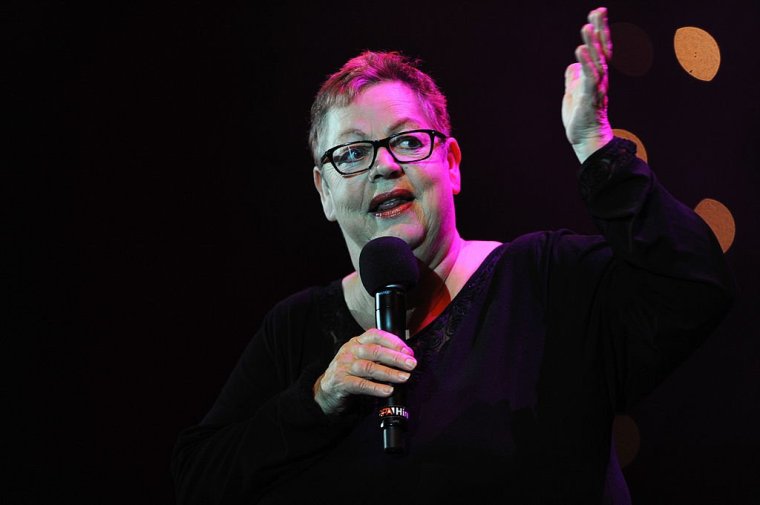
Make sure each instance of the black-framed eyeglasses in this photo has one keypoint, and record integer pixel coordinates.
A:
(405, 147)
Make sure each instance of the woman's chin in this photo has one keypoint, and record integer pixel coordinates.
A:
(411, 233)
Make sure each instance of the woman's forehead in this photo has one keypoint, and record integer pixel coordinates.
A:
(376, 112)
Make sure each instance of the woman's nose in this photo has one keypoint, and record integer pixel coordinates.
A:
(385, 165)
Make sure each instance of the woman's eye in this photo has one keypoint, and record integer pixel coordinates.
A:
(351, 154)
(409, 142)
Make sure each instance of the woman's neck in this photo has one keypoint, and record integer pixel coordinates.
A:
(438, 285)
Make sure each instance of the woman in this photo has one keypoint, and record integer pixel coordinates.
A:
(519, 354)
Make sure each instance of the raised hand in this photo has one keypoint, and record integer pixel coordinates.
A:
(584, 105)
(375, 355)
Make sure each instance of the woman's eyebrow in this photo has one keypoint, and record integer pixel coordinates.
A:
(351, 131)
(403, 122)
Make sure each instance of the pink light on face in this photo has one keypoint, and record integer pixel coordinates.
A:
(412, 201)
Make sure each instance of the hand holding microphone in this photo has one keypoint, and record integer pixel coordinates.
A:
(388, 269)
(362, 366)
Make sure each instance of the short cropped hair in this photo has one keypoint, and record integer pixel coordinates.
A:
(360, 72)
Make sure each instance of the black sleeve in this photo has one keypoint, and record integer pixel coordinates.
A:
(650, 290)
(265, 426)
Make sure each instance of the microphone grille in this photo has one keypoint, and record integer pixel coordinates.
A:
(385, 261)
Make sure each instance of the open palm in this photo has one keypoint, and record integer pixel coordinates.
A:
(584, 105)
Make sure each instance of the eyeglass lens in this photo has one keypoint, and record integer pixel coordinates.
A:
(405, 147)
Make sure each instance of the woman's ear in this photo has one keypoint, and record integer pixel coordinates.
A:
(325, 195)
(454, 158)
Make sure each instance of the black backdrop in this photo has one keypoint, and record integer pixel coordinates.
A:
(159, 200)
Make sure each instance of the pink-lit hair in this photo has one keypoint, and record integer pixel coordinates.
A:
(360, 72)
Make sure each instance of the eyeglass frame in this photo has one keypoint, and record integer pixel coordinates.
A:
(376, 145)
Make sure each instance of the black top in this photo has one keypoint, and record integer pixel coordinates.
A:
(518, 379)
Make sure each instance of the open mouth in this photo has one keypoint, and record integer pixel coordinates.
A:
(385, 202)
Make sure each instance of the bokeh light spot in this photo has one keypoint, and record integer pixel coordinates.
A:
(641, 151)
(719, 219)
(697, 52)
(627, 439)
(632, 50)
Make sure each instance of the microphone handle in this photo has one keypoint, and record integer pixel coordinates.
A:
(390, 316)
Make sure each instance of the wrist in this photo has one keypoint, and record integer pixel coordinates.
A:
(592, 144)
(317, 390)
(329, 406)
(613, 158)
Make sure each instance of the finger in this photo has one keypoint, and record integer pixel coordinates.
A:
(572, 77)
(589, 69)
(380, 354)
(598, 18)
(572, 72)
(371, 370)
(590, 38)
(385, 339)
(361, 386)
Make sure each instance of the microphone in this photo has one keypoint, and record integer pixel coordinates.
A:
(388, 269)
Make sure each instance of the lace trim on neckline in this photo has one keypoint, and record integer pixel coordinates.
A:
(338, 325)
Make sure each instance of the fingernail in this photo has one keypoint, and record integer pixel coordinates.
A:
(411, 362)
(387, 390)
(407, 350)
(403, 376)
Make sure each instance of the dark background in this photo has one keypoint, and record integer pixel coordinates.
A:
(158, 201)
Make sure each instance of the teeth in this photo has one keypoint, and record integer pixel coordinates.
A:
(389, 204)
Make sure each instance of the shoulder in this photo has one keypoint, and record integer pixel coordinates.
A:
(542, 254)
(295, 330)
(539, 262)
(302, 305)
(556, 245)
(475, 252)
